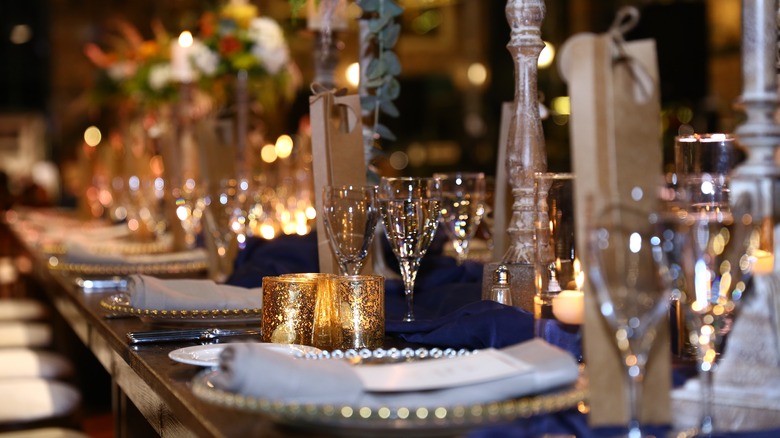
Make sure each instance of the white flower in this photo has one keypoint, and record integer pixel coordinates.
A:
(160, 75)
(121, 70)
(203, 58)
(269, 45)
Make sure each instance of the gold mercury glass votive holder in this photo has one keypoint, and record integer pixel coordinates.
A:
(361, 310)
(288, 309)
(324, 310)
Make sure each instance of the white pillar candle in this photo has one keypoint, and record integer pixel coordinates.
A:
(181, 67)
(763, 262)
(569, 306)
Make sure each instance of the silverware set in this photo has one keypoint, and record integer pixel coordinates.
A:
(117, 283)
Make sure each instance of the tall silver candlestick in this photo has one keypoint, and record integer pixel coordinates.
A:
(525, 146)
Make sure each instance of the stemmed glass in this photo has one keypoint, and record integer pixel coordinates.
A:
(350, 215)
(410, 209)
(226, 222)
(462, 208)
(629, 273)
(713, 245)
(190, 204)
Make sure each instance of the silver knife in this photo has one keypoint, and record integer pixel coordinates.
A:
(187, 335)
(101, 284)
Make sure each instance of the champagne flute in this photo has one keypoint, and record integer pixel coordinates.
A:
(410, 209)
(350, 216)
(628, 270)
(462, 208)
(714, 245)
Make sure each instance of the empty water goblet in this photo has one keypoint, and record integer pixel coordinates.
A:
(226, 223)
(350, 214)
(628, 269)
(410, 209)
(462, 208)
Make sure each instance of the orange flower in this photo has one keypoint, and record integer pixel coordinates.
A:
(207, 21)
(148, 49)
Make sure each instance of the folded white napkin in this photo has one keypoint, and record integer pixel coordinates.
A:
(147, 292)
(267, 374)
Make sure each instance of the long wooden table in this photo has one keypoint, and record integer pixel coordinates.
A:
(150, 392)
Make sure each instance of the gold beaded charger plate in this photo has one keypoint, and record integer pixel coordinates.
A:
(119, 304)
(398, 421)
(208, 355)
(156, 268)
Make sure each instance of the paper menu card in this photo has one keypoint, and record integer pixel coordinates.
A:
(337, 156)
(616, 153)
(483, 366)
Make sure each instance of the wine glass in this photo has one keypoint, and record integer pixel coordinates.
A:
(190, 203)
(350, 216)
(410, 209)
(629, 273)
(462, 208)
(226, 222)
(714, 244)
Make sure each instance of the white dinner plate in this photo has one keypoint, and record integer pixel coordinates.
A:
(208, 355)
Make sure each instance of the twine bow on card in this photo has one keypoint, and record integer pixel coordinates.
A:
(329, 94)
(627, 18)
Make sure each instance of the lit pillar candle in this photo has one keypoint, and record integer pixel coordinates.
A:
(568, 306)
(763, 262)
(180, 58)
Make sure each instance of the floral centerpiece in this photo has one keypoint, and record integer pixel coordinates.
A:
(132, 70)
(236, 40)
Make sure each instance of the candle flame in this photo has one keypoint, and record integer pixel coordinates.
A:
(579, 275)
(185, 39)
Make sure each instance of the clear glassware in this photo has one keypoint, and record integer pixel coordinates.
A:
(462, 208)
(713, 246)
(190, 204)
(410, 210)
(226, 222)
(628, 270)
(350, 214)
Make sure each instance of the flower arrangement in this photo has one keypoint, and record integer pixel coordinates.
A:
(133, 70)
(235, 39)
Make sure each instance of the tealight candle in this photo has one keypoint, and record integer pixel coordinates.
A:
(569, 306)
(763, 262)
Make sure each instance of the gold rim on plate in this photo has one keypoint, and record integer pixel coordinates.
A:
(398, 420)
(120, 304)
(127, 269)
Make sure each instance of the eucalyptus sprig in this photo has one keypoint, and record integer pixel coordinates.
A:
(296, 5)
(380, 86)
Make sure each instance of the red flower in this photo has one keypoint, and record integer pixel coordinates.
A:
(228, 45)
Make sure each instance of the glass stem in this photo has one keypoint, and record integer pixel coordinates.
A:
(635, 377)
(705, 381)
(409, 273)
(351, 267)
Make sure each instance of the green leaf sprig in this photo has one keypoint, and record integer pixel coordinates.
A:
(383, 66)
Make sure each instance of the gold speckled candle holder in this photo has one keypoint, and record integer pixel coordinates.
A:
(288, 309)
(361, 310)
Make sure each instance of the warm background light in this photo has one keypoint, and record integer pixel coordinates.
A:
(92, 136)
(353, 74)
(268, 153)
(284, 146)
(477, 74)
(547, 56)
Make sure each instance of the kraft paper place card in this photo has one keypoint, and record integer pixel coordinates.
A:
(615, 128)
(337, 156)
